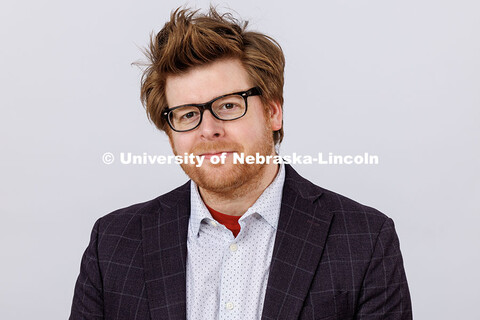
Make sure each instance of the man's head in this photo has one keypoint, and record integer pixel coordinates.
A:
(191, 39)
(196, 59)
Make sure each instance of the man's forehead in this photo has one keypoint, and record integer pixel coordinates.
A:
(206, 82)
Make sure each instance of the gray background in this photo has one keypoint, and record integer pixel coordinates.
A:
(399, 79)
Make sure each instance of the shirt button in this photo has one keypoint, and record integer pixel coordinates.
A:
(233, 247)
(229, 305)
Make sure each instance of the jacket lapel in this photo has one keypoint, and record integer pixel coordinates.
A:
(302, 231)
(164, 232)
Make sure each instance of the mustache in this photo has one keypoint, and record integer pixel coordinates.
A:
(207, 147)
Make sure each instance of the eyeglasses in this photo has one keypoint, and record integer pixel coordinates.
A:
(227, 107)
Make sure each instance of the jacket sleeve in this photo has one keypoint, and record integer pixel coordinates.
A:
(88, 296)
(384, 293)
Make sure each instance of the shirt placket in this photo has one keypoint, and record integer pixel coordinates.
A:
(230, 301)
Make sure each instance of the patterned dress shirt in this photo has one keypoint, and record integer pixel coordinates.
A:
(227, 276)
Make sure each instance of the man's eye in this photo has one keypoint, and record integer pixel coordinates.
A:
(188, 115)
(229, 106)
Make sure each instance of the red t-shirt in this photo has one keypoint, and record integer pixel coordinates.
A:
(231, 222)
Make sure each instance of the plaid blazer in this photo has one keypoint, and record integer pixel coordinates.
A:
(333, 258)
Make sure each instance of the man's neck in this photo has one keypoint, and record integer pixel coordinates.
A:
(237, 202)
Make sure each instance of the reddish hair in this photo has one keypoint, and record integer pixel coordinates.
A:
(191, 39)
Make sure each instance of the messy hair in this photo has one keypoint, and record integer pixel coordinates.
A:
(192, 39)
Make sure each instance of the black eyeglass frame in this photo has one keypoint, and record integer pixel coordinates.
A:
(255, 91)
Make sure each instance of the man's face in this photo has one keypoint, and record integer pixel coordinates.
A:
(250, 134)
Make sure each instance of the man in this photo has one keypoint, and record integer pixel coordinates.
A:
(238, 241)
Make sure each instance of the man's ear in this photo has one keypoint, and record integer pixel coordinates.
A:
(275, 115)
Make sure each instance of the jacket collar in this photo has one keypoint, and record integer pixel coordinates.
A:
(164, 241)
(299, 244)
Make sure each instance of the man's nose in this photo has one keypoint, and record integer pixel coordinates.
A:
(211, 127)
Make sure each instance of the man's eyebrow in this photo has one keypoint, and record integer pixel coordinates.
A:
(216, 97)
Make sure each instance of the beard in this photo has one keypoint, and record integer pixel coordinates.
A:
(229, 178)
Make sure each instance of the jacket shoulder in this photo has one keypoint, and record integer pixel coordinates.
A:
(121, 220)
(350, 216)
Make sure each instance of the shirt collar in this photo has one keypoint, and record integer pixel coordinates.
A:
(198, 211)
(272, 196)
